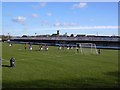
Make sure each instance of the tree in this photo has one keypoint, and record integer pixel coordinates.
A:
(72, 35)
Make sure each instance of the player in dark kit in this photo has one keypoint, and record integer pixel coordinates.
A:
(77, 49)
(99, 51)
(12, 62)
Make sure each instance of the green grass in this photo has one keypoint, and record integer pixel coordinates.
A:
(58, 69)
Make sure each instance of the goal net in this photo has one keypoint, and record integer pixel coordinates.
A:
(87, 48)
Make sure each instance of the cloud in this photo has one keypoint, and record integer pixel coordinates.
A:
(43, 4)
(58, 24)
(73, 24)
(91, 19)
(91, 27)
(79, 5)
(49, 14)
(19, 19)
(40, 5)
(35, 15)
(44, 22)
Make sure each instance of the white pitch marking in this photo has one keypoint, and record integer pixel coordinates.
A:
(19, 49)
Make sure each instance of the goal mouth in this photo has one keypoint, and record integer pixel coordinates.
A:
(87, 48)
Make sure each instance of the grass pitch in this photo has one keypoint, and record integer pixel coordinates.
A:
(58, 68)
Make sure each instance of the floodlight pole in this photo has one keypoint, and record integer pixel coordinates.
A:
(35, 34)
(8, 35)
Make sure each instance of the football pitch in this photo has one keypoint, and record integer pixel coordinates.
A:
(58, 68)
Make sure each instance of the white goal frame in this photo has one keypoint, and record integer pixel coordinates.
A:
(92, 46)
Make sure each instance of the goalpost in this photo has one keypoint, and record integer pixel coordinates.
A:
(87, 48)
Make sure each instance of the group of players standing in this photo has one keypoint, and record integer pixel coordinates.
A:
(45, 47)
(63, 47)
(77, 48)
(41, 47)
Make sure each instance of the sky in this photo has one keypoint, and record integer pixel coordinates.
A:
(90, 18)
